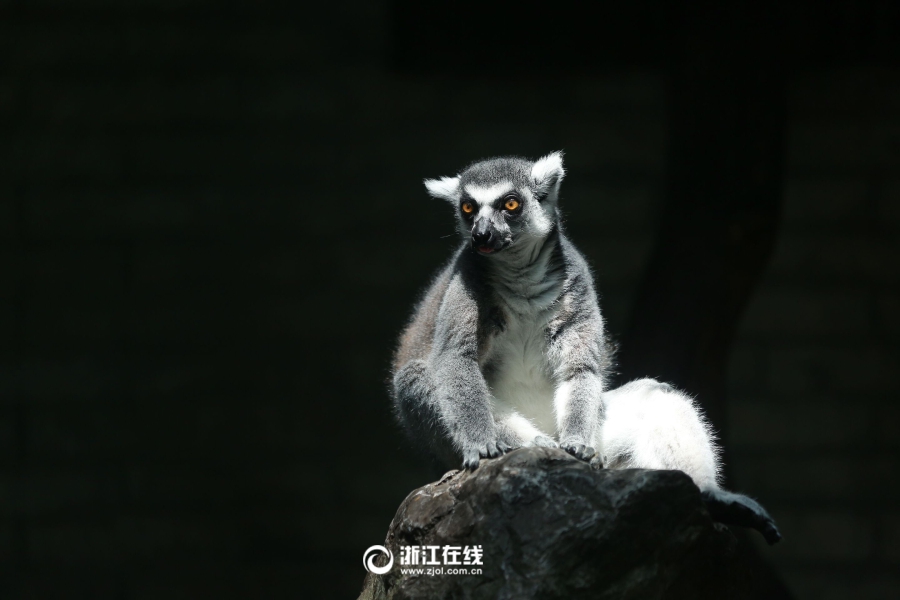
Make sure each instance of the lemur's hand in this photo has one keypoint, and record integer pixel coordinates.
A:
(580, 451)
(473, 454)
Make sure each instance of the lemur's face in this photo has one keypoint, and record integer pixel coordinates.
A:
(503, 202)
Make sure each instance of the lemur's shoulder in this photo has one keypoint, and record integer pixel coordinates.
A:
(418, 335)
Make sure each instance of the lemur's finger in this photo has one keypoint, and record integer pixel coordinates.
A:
(580, 451)
(470, 460)
(490, 450)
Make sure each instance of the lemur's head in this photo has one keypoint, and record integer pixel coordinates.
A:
(503, 201)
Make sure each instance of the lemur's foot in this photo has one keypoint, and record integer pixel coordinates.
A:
(597, 462)
(580, 451)
(473, 456)
(542, 441)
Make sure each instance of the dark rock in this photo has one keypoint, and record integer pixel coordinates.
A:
(550, 526)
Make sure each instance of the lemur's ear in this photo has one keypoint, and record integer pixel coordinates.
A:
(445, 188)
(547, 172)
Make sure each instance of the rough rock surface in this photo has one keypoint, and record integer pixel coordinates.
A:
(553, 527)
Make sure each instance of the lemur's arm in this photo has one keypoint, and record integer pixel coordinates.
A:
(462, 393)
(575, 352)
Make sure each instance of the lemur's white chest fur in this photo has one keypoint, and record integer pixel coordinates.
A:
(519, 375)
(520, 380)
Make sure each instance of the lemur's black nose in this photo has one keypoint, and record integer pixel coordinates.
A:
(481, 238)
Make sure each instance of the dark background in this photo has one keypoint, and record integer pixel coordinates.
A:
(212, 227)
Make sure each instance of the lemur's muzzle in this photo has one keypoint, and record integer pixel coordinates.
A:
(483, 238)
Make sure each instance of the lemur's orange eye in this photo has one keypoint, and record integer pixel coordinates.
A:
(511, 204)
(467, 208)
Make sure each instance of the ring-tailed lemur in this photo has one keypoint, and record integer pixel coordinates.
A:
(508, 349)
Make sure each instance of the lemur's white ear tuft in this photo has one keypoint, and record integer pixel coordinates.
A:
(548, 171)
(446, 188)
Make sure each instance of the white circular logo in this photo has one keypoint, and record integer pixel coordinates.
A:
(369, 561)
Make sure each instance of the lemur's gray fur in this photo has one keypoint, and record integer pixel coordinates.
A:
(508, 348)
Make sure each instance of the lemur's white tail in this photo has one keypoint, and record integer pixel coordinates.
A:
(651, 425)
(738, 509)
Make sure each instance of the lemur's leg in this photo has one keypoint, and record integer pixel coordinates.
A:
(576, 360)
(651, 425)
(576, 403)
(417, 410)
(437, 419)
